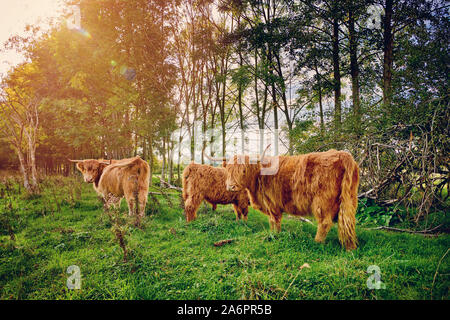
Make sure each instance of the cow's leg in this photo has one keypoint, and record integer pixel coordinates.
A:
(116, 202)
(322, 230)
(133, 209)
(131, 197)
(244, 211)
(237, 211)
(140, 213)
(324, 225)
(106, 203)
(214, 206)
(191, 206)
(110, 200)
(134, 199)
(324, 219)
(140, 195)
(142, 202)
(103, 200)
(271, 222)
(131, 201)
(275, 221)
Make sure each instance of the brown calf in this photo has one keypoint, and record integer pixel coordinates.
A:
(203, 182)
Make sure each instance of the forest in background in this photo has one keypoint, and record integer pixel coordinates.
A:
(370, 77)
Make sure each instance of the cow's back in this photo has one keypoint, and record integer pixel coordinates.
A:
(116, 178)
(300, 180)
(207, 182)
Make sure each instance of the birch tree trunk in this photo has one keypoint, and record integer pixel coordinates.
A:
(23, 170)
(150, 158)
(163, 169)
(32, 151)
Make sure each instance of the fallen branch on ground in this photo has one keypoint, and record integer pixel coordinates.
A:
(305, 220)
(222, 242)
(426, 231)
(300, 218)
(169, 186)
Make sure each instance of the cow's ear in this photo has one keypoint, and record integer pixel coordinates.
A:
(102, 165)
(80, 166)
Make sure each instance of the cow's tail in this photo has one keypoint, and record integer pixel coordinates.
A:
(142, 167)
(348, 203)
(129, 163)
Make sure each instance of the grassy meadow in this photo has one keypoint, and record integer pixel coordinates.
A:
(169, 259)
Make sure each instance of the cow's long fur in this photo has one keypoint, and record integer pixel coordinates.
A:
(127, 178)
(322, 183)
(203, 182)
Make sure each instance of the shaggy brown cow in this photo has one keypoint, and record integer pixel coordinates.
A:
(127, 178)
(203, 182)
(324, 183)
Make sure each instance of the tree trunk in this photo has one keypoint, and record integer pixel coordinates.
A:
(319, 84)
(144, 148)
(32, 152)
(222, 111)
(354, 72)
(203, 139)
(150, 158)
(170, 160)
(274, 105)
(224, 143)
(337, 76)
(24, 170)
(241, 114)
(192, 141)
(30, 134)
(261, 134)
(388, 44)
(163, 169)
(180, 139)
(240, 89)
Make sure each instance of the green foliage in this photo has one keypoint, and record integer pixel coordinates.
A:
(371, 213)
(241, 77)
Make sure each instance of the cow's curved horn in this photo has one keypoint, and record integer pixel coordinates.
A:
(75, 160)
(214, 159)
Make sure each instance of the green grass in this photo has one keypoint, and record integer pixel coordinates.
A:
(170, 259)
